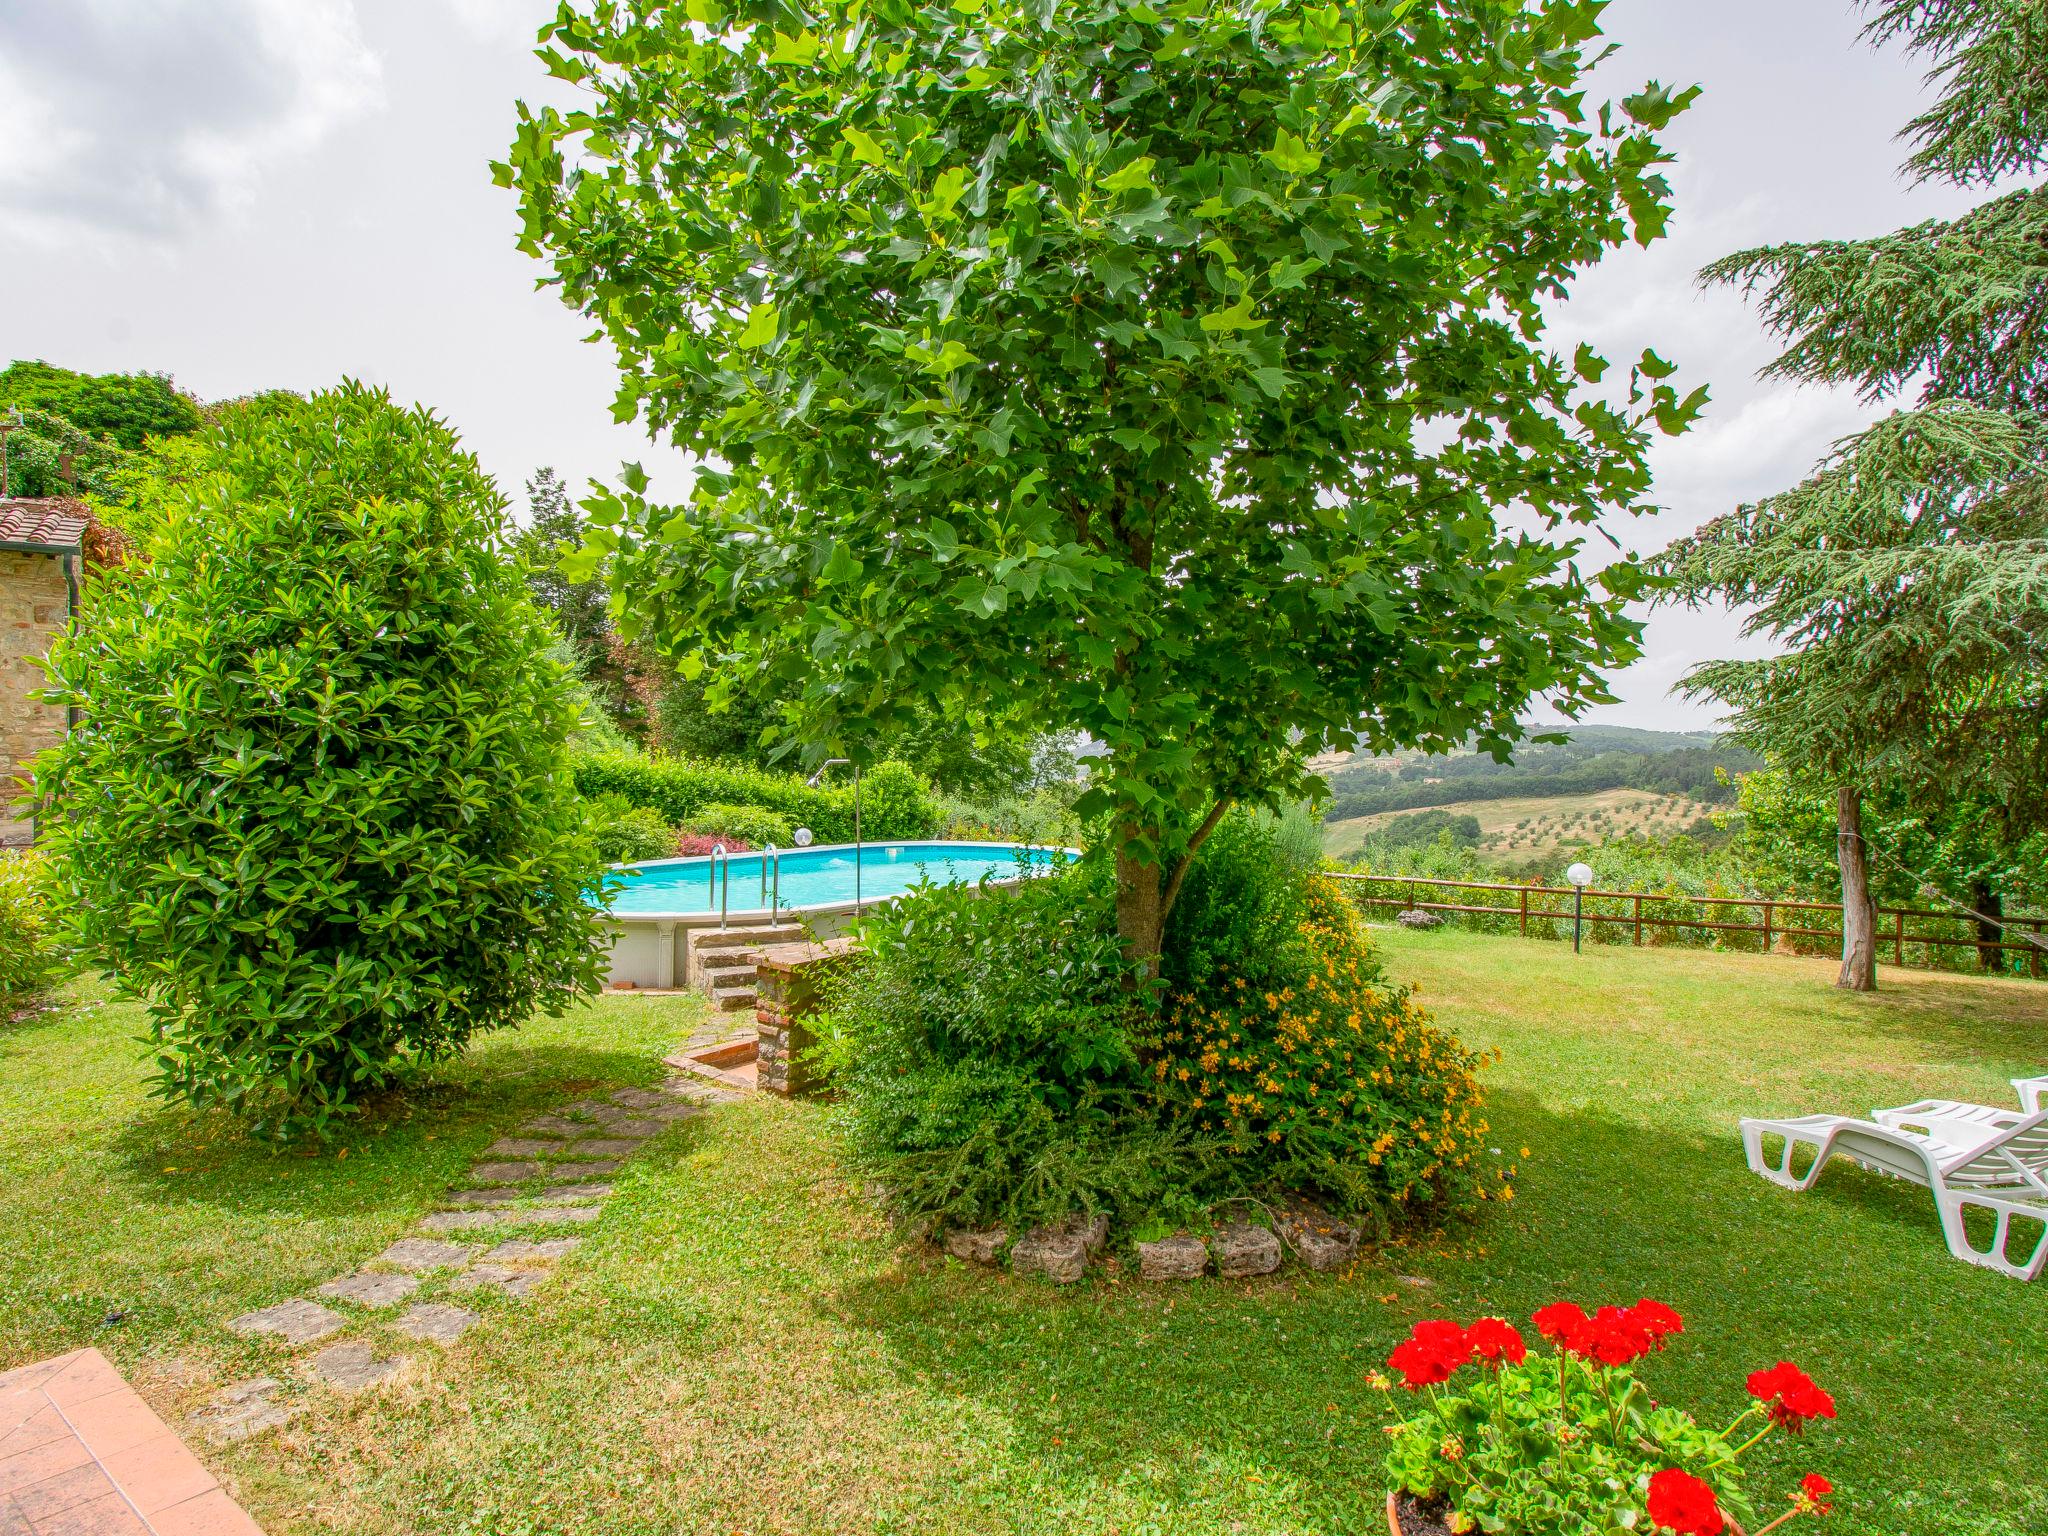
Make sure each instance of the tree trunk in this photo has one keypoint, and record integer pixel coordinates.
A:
(1140, 910)
(1859, 914)
(1990, 908)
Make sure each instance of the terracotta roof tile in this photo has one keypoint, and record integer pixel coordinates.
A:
(54, 521)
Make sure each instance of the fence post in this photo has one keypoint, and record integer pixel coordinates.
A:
(1525, 911)
(1899, 936)
(1768, 915)
(1639, 919)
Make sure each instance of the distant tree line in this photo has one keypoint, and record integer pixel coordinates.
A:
(1707, 774)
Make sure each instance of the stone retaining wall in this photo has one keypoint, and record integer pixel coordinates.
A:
(35, 604)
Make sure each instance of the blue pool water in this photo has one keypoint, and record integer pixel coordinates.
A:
(815, 877)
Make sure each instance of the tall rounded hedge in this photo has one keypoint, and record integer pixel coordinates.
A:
(317, 807)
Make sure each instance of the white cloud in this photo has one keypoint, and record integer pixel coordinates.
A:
(150, 117)
(502, 20)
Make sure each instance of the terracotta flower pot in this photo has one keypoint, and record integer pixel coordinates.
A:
(1396, 1528)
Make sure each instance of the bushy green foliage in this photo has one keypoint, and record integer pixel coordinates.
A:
(984, 1045)
(36, 454)
(628, 833)
(27, 938)
(127, 409)
(751, 825)
(1043, 816)
(997, 1062)
(894, 803)
(581, 610)
(1282, 1037)
(317, 808)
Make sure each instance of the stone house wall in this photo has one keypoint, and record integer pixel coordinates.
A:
(35, 604)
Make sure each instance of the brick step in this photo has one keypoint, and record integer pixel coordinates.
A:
(704, 939)
(730, 999)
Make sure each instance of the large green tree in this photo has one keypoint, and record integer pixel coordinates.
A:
(1907, 580)
(1170, 371)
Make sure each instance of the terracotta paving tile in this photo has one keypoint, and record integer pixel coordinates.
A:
(211, 1514)
(18, 1405)
(25, 1377)
(109, 1515)
(40, 1428)
(114, 1422)
(97, 1461)
(85, 1376)
(26, 1468)
(54, 1495)
(159, 1473)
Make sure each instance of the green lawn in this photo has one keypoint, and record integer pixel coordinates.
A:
(739, 1347)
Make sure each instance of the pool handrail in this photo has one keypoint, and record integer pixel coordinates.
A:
(719, 858)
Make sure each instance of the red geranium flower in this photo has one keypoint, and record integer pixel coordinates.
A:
(1812, 1497)
(1497, 1340)
(1791, 1394)
(1557, 1320)
(1681, 1502)
(1611, 1336)
(1430, 1353)
(1656, 1319)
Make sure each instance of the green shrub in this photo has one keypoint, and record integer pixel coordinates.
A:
(1319, 1076)
(984, 1050)
(628, 833)
(28, 958)
(317, 809)
(894, 801)
(740, 824)
(1042, 816)
(996, 1063)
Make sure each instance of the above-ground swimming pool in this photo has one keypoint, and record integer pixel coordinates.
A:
(802, 879)
(802, 890)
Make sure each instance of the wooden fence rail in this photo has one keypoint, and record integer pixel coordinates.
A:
(1905, 930)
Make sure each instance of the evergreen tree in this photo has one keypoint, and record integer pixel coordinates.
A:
(581, 609)
(1908, 578)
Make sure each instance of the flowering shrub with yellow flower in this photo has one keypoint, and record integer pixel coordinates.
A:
(997, 1060)
(1281, 1034)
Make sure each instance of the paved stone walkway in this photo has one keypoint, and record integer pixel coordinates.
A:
(549, 1174)
(82, 1455)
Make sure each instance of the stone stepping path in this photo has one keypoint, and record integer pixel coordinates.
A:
(370, 1290)
(553, 1172)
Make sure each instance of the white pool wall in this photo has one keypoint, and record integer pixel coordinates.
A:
(650, 949)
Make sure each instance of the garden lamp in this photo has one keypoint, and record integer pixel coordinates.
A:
(1581, 876)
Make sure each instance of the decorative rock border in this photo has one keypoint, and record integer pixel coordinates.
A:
(1239, 1250)
(543, 1176)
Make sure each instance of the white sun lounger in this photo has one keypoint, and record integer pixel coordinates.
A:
(1958, 1121)
(2003, 1170)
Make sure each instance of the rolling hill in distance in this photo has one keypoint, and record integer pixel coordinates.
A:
(1606, 780)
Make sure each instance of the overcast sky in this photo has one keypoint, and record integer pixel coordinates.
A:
(249, 194)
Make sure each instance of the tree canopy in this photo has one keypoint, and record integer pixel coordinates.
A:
(1165, 371)
(125, 408)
